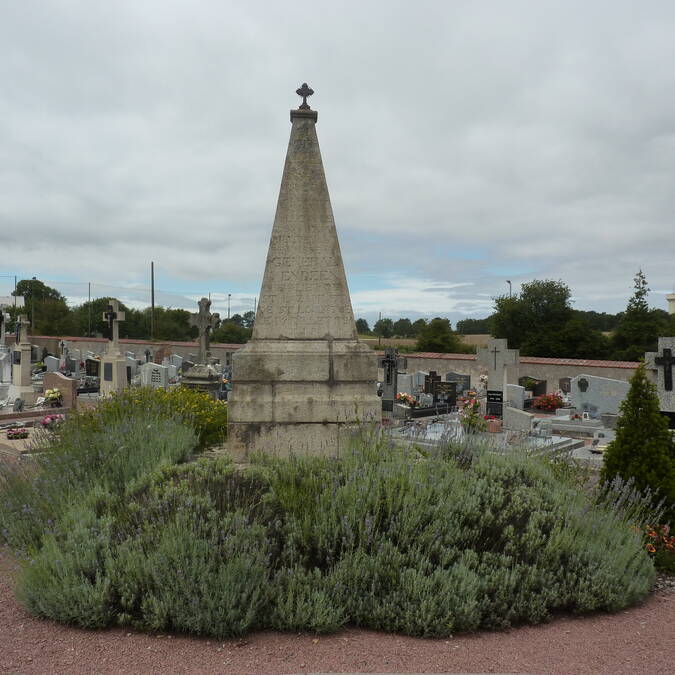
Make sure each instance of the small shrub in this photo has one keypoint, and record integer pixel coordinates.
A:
(206, 416)
(643, 449)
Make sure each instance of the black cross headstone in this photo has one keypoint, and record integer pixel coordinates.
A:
(390, 364)
(430, 381)
(667, 361)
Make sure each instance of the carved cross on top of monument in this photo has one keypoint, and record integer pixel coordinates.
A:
(305, 92)
(204, 321)
(113, 316)
(22, 324)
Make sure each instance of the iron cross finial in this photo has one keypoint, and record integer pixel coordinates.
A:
(304, 91)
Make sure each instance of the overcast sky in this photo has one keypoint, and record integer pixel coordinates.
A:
(465, 143)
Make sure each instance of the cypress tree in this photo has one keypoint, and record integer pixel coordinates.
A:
(643, 448)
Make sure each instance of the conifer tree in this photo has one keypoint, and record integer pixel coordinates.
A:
(643, 448)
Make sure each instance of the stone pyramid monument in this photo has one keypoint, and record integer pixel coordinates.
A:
(304, 377)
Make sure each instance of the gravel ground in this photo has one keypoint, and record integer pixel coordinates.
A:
(640, 640)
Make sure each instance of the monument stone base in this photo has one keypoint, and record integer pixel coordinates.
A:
(300, 396)
(113, 375)
(202, 378)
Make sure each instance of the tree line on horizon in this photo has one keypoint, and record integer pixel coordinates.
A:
(539, 321)
(52, 316)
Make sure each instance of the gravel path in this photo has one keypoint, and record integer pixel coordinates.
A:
(640, 640)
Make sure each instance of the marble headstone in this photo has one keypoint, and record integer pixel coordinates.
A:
(154, 375)
(597, 395)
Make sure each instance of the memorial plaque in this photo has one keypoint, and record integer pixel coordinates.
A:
(92, 367)
(108, 372)
(495, 402)
(17, 358)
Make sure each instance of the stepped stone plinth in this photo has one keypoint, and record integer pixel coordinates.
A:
(304, 380)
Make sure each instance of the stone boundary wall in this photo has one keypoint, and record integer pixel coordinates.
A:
(160, 348)
(551, 370)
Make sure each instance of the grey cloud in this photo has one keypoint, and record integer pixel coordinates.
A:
(540, 134)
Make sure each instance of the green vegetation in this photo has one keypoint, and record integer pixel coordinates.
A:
(643, 450)
(438, 336)
(115, 528)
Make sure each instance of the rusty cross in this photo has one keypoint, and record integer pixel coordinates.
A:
(304, 91)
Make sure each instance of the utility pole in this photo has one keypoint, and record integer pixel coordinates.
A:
(89, 304)
(509, 283)
(229, 295)
(32, 306)
(152, 300)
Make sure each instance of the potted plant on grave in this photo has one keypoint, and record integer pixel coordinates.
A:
(16, 433)
(469, 415)
(548, 402)
(52, 421)
(406, 399)
(53, 398)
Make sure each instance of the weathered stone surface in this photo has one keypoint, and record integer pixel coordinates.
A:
(304, 379)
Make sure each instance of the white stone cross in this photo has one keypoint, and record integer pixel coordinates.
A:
(661, 364)
(496, 357)
(113, 316)
(22, 324)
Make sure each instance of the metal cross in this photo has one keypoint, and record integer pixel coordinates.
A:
(304, 91)
(495, 351)
(667, 361)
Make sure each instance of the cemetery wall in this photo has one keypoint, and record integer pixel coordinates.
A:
(98, 345)
(548, 369)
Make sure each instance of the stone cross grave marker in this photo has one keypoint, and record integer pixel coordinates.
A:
(205, 322)
(661, 363)
(390, 364)
(3, 324)
(22, 324)
(496, 357)
(113, 316)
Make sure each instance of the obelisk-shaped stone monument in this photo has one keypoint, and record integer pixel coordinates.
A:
(304, 377)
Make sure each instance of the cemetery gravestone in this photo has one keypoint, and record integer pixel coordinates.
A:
(597, 395)
(661, 364)
(5, 364)
(52, 364)
(496, 357)
(462, 382)
(21, 358)
(405, 384)
(114, 363)
(155, 376)
(418, 381)
(515, 396)
(390, 364)
(204, 321)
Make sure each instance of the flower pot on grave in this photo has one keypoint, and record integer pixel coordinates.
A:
(494, 426)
